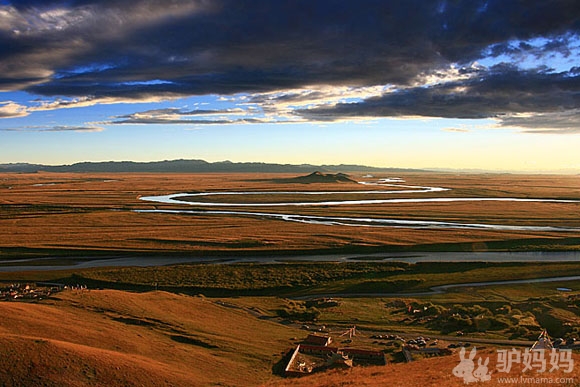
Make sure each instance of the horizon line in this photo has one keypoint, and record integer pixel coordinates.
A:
(566, 171)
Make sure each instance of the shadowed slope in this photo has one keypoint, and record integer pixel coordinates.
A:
(44, 362)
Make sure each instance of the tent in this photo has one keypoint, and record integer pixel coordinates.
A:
(543, 342)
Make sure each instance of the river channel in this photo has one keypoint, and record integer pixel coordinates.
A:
(85, 263)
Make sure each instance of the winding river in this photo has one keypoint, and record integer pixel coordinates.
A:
(223, 209)
(180, 199)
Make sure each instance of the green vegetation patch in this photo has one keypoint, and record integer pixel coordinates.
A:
(323, 278)
(298, 311)
(247, 276)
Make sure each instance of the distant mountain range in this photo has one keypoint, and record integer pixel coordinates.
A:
(191, 166)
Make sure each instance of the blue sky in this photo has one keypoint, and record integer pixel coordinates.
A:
(491, 85)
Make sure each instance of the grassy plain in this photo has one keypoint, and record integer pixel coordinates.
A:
(46, 214)
(152, 326)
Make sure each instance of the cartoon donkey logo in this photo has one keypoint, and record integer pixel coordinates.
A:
(466, 368)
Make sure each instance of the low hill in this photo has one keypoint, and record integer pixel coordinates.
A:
(318, 177)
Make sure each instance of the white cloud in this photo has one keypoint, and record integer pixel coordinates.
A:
(456, 130)
(451, 73)
(56, 128)
(11, 109)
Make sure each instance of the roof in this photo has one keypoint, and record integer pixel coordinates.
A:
(321, 348)
(355, 351)
(317, 340)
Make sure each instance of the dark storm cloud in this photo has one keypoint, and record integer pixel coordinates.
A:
(502, 91)
(232, 46)
(139, 50)
(565, 122)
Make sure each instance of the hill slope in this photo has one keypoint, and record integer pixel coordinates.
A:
(121, 338)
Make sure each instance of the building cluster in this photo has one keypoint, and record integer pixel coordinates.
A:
(27, 292)
(317, 354)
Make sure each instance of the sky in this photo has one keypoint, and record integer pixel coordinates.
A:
(490, 85)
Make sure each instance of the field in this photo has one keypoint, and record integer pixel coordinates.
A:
(47, 214)
(234, 323)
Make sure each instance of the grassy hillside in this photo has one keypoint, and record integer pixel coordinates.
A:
(121, 338)
(112, 337)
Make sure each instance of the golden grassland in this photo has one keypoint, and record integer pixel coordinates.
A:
(112, 338)
(156, 338)
(116, 338)
(47, 212)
